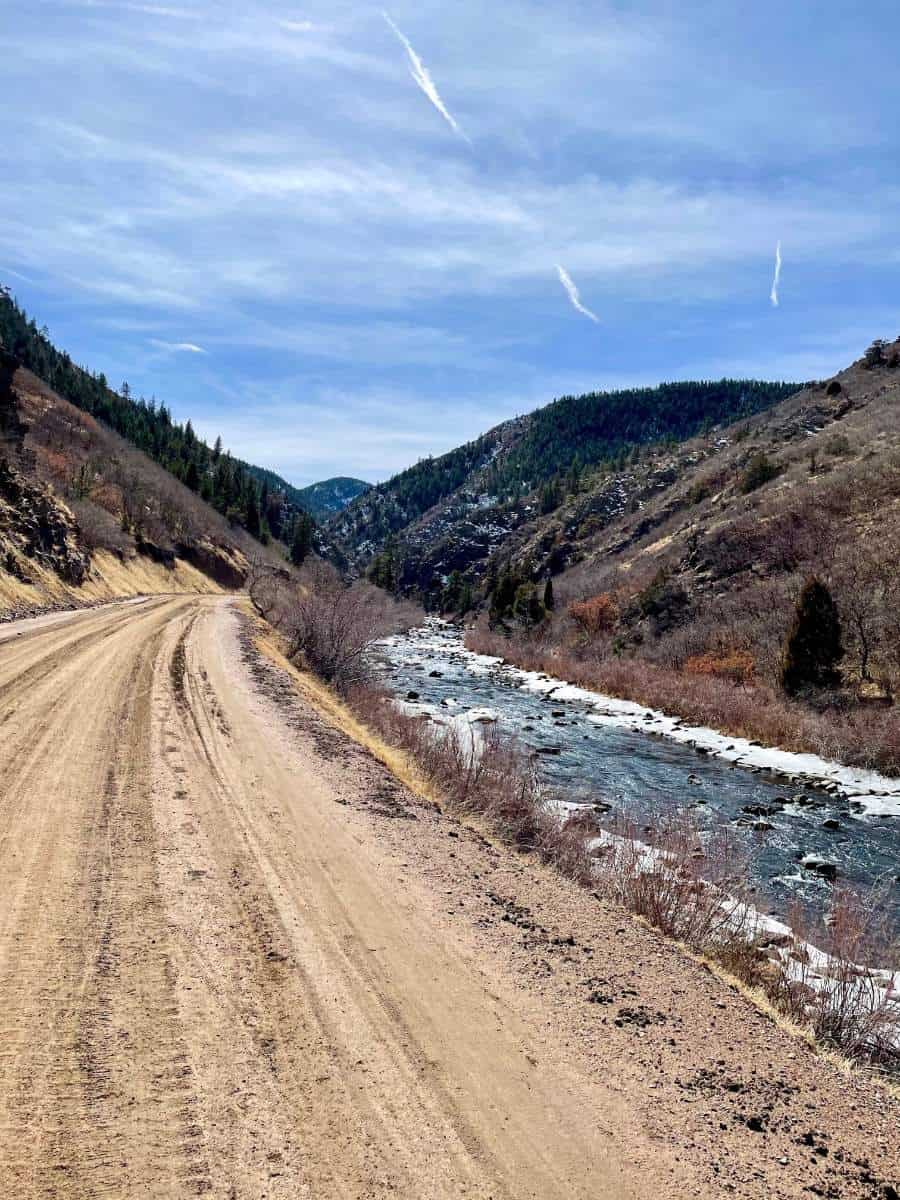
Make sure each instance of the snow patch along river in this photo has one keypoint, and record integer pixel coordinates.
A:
(801, 817)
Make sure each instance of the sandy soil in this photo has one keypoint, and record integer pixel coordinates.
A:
(238, 957)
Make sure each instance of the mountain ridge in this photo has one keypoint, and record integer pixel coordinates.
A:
(453, 512)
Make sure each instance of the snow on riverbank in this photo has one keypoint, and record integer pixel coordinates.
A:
(869, 793)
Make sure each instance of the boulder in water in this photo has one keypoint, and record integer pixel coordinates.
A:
(819, 866)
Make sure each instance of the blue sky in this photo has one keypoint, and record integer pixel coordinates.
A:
(254, 212)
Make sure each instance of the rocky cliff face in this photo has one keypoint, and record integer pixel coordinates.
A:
(36, 528)
(66, 486)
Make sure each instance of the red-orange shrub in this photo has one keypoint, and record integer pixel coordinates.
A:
(595, 616)
(736, 665)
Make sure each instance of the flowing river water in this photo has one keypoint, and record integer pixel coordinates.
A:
(791, 834)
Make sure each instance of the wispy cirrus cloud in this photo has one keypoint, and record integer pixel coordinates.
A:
(312, 229)
(572, 291)
(178, 347)
(773, 295)
(420, 74)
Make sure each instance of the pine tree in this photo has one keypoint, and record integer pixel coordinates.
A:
(813, 648)
(465, 598)
(549, 603)
(301, 539)
(251, 511)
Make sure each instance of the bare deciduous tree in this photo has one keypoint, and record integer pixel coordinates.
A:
(330, 626)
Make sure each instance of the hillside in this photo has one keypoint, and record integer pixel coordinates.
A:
(454, 512)
(85, 517)
(322, 500)
(253, 497)
(675, 580)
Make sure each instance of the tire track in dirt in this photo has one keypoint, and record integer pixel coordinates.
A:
(337, 1073)
(85, 986)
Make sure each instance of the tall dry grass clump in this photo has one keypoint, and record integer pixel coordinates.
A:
(685, 883)
(849, 1004)
(482, 774)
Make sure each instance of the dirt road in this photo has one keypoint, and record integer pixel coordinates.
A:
(237, 958)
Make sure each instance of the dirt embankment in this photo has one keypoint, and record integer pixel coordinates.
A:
(239, 958)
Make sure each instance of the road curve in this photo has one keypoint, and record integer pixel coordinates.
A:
(202, 991)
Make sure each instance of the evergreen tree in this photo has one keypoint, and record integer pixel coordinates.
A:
(252, 521)
(527, 608)
(301, 538)
(503, 596)
(813, 648)
(549, 603)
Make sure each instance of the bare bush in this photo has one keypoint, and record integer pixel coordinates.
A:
(486, 775)
(848, 1003)
(99, 530)
(330, 626)
(684, 883)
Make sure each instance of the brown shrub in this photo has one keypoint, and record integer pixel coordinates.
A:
(595, 616)
(737, 666)
(684, 885)
(99, 530)
(848, 1005)
(330, 626)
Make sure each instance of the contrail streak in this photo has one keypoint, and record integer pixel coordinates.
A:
(572, 291)
(177, 347)
(773, 295)
(420, 74)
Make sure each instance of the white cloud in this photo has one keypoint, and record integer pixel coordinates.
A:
(420, 74)
(572, 291)
(297, 26)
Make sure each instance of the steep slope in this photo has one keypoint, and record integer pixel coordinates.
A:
(676, 579)
(453, 512)
(84, 516)
(234, 488)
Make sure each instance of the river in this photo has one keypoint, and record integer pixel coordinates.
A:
(587, 756)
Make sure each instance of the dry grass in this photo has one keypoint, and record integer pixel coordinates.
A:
(490, 778)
